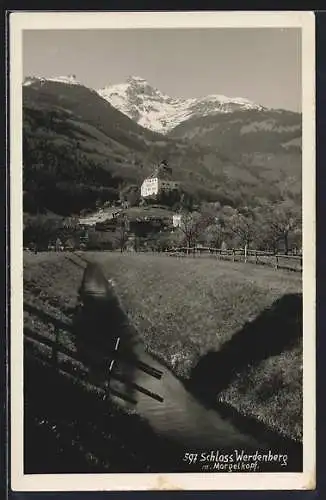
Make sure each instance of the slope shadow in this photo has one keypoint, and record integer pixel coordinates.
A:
(89, 434)
(99, 324)
(276, 329)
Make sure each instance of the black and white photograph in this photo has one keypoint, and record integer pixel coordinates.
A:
(162, 229)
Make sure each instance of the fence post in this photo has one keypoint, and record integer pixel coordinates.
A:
(256, 257)
(276, 261)
(233, 254)
(245, 253)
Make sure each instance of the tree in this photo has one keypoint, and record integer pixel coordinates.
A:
(286, 219)
(192, 225)
(211, 208)
(70, 230)
(176, 238)
(142, 202)
(297, 239)
(40, 230)
(169, 198)
(282, 221)
(244, 227)
(121, 234)
(213, 235)
(187, 201)
(131, 194)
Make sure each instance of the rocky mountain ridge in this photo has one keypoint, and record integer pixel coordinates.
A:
(159, 112)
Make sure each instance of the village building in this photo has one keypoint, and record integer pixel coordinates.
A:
(160, 180)
(176, 220)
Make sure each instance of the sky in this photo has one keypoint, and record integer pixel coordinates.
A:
(260, 64)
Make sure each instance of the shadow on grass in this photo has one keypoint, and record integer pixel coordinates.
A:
(48, 318)
(83, 258)
(100, 323)
(68, 429)
(73, 261)
(275, 330)
(87, 434)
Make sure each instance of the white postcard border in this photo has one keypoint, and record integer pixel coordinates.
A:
(20, 21)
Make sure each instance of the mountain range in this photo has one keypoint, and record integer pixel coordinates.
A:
(87, 140)
(153, 109)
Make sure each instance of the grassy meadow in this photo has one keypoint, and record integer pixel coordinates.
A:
(232, 320)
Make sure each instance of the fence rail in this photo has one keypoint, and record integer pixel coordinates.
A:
(65, 361)
(278, 261)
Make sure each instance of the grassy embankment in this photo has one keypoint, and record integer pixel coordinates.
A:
(186, 310)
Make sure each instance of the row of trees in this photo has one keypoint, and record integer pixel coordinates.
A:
(269, 226)
(43, 230)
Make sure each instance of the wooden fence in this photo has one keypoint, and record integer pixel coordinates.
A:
(278, 261)
(50, 351)
(291, 262)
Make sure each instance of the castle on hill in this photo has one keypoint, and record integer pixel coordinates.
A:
(160, 180)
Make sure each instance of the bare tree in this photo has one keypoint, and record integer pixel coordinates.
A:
(286, 219)
(281, 221)
(244, 227)
(192, 225)
(122, 232)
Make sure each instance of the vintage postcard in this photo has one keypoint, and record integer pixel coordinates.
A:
(162, 250)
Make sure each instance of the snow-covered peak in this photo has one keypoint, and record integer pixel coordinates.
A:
(159, 112)
(29, 80)
(150, 107)
(224, 99)
(69, 79)
(136, 79)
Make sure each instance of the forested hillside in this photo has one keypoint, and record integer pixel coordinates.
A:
(79, 152)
